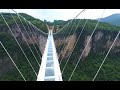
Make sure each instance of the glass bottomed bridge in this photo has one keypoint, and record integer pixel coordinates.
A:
(49, 69)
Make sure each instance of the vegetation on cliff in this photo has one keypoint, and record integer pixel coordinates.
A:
(87, 67)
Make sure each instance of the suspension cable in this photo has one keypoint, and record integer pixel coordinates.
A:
(32, 41)
(18, 43)
(28, 21)
(26, 40)
(106, 56)
(75, 44)
(68, 35)
(28, 35)
(66, 26)
(13, 61)
(71, 38)
(65, 35)
(32, 30)
(85, 47)
(71, 20)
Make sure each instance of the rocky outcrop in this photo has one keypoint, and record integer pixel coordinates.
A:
(34, 37)
(99, 43)
(88, 47)
(69, 45)
(98, 35)
(31, 36)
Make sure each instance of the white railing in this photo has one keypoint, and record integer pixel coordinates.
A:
(51, 71)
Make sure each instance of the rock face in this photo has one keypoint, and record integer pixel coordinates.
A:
(99, 43)
(102, 39)
(70, 41)
(42, 41)
(106, 39)
(31, 37)
(88, 47)
(98, 35)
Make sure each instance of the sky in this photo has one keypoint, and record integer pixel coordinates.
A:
(64, 14)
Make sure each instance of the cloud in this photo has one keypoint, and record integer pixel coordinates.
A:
(64, 14)
(51, 14)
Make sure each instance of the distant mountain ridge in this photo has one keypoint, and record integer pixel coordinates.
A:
(112, 19)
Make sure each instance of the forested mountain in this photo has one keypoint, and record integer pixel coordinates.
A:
(7, 69)
(112, 19)
(92, 58)
(38, 23)
(94, 53)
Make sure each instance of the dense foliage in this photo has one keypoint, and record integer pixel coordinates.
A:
(88, 66)
(8, 17)
(9, 72)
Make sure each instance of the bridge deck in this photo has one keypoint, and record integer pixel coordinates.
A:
(49, 69)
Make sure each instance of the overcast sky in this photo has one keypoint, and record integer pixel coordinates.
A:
(64, 14)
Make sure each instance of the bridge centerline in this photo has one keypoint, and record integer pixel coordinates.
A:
(49, 69)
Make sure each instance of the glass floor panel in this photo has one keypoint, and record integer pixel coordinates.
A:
(49, 72)
(49, 79)
(50, 54)
(49, 64)
(50, 50)
(49, 58)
